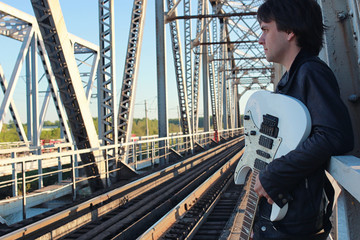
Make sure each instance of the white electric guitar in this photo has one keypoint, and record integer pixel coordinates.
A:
(274, 124)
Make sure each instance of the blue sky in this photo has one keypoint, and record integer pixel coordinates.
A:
(81, 18)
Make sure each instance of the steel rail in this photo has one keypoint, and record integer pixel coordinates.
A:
(129, 223)
(100, 205)
(189, 205)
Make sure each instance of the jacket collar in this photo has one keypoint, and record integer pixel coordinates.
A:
(288, 76)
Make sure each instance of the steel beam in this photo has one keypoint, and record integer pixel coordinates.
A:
(61, 54)
(13, 110)
(132, 62)
(130, 77)
(205, 72)
(179, 72)
(342, 53)
(161, 75)
(196, 70)
(15, 75)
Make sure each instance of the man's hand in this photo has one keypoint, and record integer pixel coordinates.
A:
(261, 191)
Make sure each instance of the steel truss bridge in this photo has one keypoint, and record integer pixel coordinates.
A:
(214, 49)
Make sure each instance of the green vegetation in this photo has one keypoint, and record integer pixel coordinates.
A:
(51, 130)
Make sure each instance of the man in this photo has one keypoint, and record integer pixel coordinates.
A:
(293, 37)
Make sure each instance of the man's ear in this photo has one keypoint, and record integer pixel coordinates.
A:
(291, 35)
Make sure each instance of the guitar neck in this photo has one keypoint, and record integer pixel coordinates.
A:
(251, 206)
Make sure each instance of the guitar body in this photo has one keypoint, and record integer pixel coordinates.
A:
(274, 124)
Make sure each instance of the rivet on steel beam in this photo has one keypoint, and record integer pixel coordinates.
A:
(353, 98)
(342, 16)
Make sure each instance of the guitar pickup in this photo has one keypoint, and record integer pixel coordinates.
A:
(260, 164)
(266, 142)
(269, 126)
(263, 154)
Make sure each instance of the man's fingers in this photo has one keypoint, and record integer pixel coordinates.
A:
(270, 201)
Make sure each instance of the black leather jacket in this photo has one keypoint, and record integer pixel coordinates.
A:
(298, 178)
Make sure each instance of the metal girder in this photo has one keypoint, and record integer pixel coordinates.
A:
(188, 62)
(213, 92)
(15, 75)
(214, 15)
(110, 131)
(61, 55)
(12, 20)
(221, 65)
(161, 77)
(181, 84)
(13, 111)
(132, 61)
(243, 32)
(106, 79)
(342, 52)
(196, 69)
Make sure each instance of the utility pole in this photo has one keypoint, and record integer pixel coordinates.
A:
(179, 119)
(146, 119)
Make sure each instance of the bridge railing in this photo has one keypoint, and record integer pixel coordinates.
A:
(55, 170)
(144, 153)
(345, 175)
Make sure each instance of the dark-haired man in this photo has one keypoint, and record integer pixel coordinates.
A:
(293, 37)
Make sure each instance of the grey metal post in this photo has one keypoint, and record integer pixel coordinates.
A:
(34, 90)
(140, 150)
(224, 90)
(161, 76)
(146, 119)
(14, 177)
(205, 65)
(152, 154)
(24, 189)
(134, 156)
(73, 176)
(59, 166)
(29, 117)
(40, 170)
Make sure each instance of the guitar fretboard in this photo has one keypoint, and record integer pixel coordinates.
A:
(252, 201)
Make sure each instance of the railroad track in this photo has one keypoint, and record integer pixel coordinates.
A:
(210, 217)
(127, 212)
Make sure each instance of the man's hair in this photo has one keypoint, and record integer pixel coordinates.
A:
(302, 17)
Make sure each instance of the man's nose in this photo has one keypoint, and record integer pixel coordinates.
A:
(261, 40)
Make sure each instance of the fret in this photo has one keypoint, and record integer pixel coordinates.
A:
(253, 199)
(247, 221)
(247, 224)
(253, 195)
(249, 208)
(244, 236)
(249, 215)
(246, 230)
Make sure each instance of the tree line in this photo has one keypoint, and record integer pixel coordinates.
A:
(9, 133)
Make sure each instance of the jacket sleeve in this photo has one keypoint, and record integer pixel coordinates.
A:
(331, 133)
